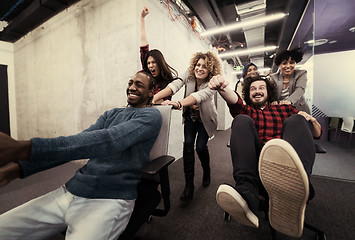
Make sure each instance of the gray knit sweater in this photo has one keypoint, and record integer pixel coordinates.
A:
(117, 145)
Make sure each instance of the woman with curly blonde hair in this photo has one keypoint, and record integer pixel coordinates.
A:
(199, 114)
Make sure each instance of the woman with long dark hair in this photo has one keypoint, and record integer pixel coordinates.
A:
(153, 61)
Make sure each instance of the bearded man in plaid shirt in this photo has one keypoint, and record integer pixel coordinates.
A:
(272, 149)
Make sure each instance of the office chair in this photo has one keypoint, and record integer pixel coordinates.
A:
(334, 124)
(263, 206)
(348, 127)
(154, 174)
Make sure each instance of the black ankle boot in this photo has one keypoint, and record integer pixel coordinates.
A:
(189, 170)
(205, 163)
(206, 180)
(188, 192)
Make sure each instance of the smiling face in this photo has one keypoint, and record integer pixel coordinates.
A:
(252, 71)
(201, 71)
(287, 67)
(258, 93)
(153, 66)
(138, 92)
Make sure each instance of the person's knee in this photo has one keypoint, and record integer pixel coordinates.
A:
(201, 148)
(189, 138)
(242, 119)
(189, 141)
(295, 117)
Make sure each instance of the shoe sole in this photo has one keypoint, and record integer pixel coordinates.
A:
(233, 203)
(284, 178)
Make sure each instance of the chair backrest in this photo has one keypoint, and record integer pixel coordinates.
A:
(348, 124)
(334, 123)
(160, 146)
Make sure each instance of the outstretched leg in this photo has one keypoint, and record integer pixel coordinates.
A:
(284, 167)
(39, 218)
(242, 201)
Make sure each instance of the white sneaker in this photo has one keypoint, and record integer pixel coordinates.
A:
(284, 178)
(233, 203)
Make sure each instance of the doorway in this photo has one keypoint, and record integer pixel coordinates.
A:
(4, 101)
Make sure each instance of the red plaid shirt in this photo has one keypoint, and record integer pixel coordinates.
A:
(268, 121)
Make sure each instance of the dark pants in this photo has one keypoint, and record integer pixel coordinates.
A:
(246, 148)
(191, 130)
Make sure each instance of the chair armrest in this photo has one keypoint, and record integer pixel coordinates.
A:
(157, 164)
(157, 170)
(319, 148)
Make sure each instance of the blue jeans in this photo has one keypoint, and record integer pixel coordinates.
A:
(50, 214)
(191, 129)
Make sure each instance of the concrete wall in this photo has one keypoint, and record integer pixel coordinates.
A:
(75, 66)
(224, 117)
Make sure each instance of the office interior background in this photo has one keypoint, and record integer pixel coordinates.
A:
(63, 63)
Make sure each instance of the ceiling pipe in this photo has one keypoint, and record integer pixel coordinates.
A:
(220, 17)
(11, 9)
(256, 36)
(35, 14)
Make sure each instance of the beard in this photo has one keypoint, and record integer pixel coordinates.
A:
(258, 104)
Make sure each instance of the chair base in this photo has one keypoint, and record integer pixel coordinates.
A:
(319, 235)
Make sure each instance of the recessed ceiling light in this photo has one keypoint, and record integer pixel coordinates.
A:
(262, 70)
(259, 21)
(317, 42)
(352, 29)
(245, 52)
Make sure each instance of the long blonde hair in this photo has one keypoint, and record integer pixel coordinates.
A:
(213, 64)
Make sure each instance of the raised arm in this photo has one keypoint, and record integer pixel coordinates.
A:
(221, 85)
(143, 35)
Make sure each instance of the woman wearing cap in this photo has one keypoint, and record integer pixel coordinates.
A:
(250, 70)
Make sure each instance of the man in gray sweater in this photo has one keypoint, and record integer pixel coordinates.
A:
(97, 202)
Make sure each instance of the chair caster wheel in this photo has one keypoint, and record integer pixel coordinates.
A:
(227, 217)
